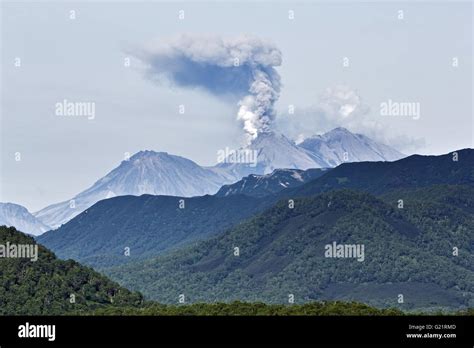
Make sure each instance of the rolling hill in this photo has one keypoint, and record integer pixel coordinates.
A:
(45, 286)
(408, 251)
(147, 225)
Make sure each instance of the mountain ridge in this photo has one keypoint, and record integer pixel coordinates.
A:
(340, 145)
(160, 173)
(414, 171)
(267, 184)
(12, 214)
(146, 172)
(282, 251)
(162, 225)
(137, 221)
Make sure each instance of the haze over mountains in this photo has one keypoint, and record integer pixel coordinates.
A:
(18, 216)
(159, 173)
(340, 145)
(273, 151)
(146, 172)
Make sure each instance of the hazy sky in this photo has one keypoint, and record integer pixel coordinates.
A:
(82, 60)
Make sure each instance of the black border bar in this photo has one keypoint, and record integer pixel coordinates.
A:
(191, 330)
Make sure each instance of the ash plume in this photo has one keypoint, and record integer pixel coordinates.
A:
(242, 68)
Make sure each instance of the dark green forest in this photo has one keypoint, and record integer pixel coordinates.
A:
(45, 287)
(249, 309)
(148, 225)
(407, 251)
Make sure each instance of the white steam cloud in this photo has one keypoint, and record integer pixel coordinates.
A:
(342, 102)
(338, 106)
(342, 106)
(242, 67)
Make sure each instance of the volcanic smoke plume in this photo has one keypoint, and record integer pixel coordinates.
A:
(242, 67)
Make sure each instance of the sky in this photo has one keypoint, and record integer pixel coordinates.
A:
(364, 54)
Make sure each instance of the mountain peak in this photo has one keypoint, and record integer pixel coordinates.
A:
(276, 151)
(149, 154)
(160, 173)
(146, 172)
(339, 130)
(145, 153)
(269, 136)
(13, 206)
(12, 214)
(340, 145)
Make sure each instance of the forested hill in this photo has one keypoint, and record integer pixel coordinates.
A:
(147, 225)
(413, 172)
(48, 286)
(407, 251)
(44, 287)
